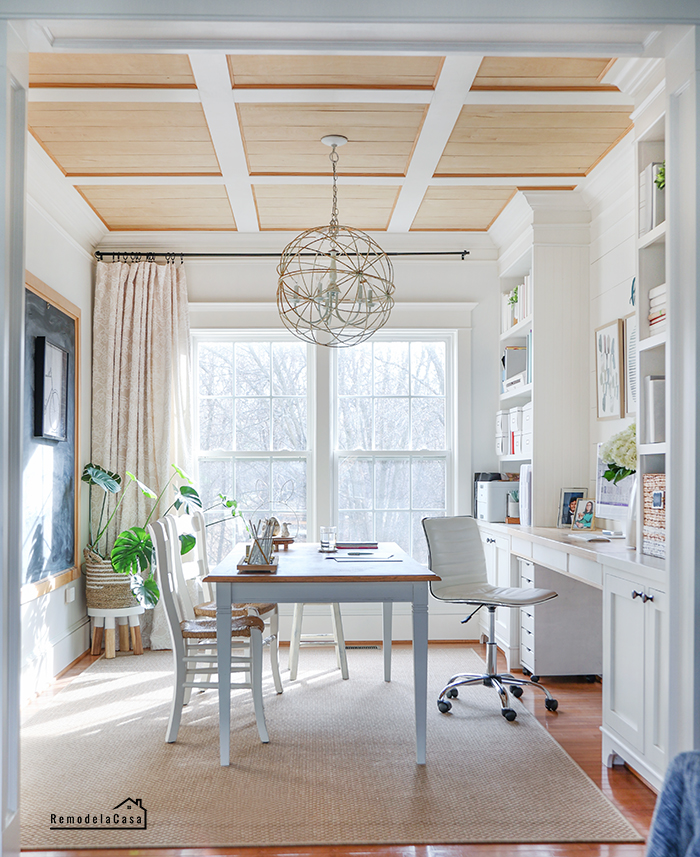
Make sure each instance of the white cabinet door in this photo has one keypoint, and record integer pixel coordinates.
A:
(656, 678)
(506, 618)
(623, 660)
(489, 542)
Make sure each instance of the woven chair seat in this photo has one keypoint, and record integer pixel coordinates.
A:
(208, 608)
(205, 629)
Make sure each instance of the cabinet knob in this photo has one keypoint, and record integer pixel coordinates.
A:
(636, 594)
(646, 598)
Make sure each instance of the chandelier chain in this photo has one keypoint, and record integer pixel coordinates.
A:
(334, 158)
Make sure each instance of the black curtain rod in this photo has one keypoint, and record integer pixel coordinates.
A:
(138, 255)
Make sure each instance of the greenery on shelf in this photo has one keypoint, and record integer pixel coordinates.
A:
(660, 177)
(620, 454)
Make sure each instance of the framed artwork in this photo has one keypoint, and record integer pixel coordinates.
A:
(609, 371)
(50, 389)
(584, 515)
(567, 505)
(630, 340)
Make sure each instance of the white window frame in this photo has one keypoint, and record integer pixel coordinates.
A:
(200, 336)
(449, 337)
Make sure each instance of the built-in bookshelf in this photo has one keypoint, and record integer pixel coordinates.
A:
(652, 401)
(543, 415)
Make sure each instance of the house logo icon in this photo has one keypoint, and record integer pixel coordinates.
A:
(130, 814)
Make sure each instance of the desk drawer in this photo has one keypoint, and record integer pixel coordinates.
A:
(527, 638)
(527, 620)
(550, 557)
(521, 546)
(527, 657)
(586, 569)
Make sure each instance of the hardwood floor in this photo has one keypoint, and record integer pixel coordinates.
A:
(575, 726)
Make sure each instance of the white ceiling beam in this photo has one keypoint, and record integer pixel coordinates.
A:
(214, 85)
(454, 82)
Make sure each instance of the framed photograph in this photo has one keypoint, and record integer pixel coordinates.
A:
(584, 516)
(609, 371)
(611, 500)
(50, 390)
(630, 340)
(568, 499)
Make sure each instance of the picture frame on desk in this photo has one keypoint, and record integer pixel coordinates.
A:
(584, 517)
(568, 498)
(609, 363)
(631, 374)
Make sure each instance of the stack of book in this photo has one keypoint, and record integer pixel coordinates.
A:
(657, 307)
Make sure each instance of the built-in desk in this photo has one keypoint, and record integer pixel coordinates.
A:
(629, 625)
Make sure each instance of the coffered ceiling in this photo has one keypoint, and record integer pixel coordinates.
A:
(212, 141)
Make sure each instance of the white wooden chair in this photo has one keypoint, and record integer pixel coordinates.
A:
(194, 639)
(194, 568)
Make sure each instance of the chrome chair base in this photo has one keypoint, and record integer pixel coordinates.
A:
(491, 678)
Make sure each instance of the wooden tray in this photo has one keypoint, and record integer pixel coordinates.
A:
(246, 568)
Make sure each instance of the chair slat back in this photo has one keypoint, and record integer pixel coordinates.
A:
(160, 535)
(455, 552)
(200, 531)
(179, 525)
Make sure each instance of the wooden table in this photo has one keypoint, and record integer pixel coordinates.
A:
(307, 576)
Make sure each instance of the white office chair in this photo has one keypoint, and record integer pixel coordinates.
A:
(456, 554)
(194, 639)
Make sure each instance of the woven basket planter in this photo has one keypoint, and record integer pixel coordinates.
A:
(104, 588)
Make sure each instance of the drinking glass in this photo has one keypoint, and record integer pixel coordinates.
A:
(328, 539)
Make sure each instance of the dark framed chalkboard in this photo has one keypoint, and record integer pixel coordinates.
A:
(51, 483)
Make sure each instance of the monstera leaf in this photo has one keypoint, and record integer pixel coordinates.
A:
(145, 589)
(93, 474)
(187, 497)
(187, 542)
(132, 551)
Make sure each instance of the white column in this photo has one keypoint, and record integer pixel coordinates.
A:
(683, 456)
(13, 111)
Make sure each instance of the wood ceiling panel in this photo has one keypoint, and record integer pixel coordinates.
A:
(160, 71)
(113, 139)
(548, 73)
(334, 72)
(299, 207)
(461, 208)
(160, 207)
(531, 141)
(381, 137)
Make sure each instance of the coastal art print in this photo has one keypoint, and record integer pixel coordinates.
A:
(609, 370)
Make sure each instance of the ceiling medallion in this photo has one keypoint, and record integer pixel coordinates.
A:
(335, 283)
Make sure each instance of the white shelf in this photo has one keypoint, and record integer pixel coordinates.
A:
(656, 341)
(522, 458)
(651, 449)
(657, 235)
(518, 331)
(523, 393)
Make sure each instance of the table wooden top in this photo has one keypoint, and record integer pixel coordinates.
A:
(304, 563)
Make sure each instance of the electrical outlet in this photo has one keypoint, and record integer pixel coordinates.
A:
(70, 594)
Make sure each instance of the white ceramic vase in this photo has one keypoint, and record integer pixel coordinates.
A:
(631, 531)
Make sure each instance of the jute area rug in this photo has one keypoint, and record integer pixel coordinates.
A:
(339, 769)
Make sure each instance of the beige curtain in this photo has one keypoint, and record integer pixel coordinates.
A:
(141, 399)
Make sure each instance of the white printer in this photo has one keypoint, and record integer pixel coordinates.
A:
(492, 500)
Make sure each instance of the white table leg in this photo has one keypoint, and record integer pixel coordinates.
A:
(295, 641)
(223, 663)
(386, 638)
(420, 665)
(341, 657)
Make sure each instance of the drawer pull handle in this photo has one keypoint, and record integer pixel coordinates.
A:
(490, 541)
(646, 598)
(636, 594)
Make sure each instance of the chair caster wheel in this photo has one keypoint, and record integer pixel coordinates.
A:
(509, 714)
(516, 690)
(534, 678)
(551, 704)
(452, 693)
(526, 671)
(443, 706)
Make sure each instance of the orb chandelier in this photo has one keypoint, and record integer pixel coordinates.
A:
(335, 284)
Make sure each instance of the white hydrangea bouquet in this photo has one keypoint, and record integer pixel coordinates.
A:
(620, 454)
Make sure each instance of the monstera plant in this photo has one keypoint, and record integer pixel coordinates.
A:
(132, 553)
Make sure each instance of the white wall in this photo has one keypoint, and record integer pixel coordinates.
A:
(54, 632)
(609, 192)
